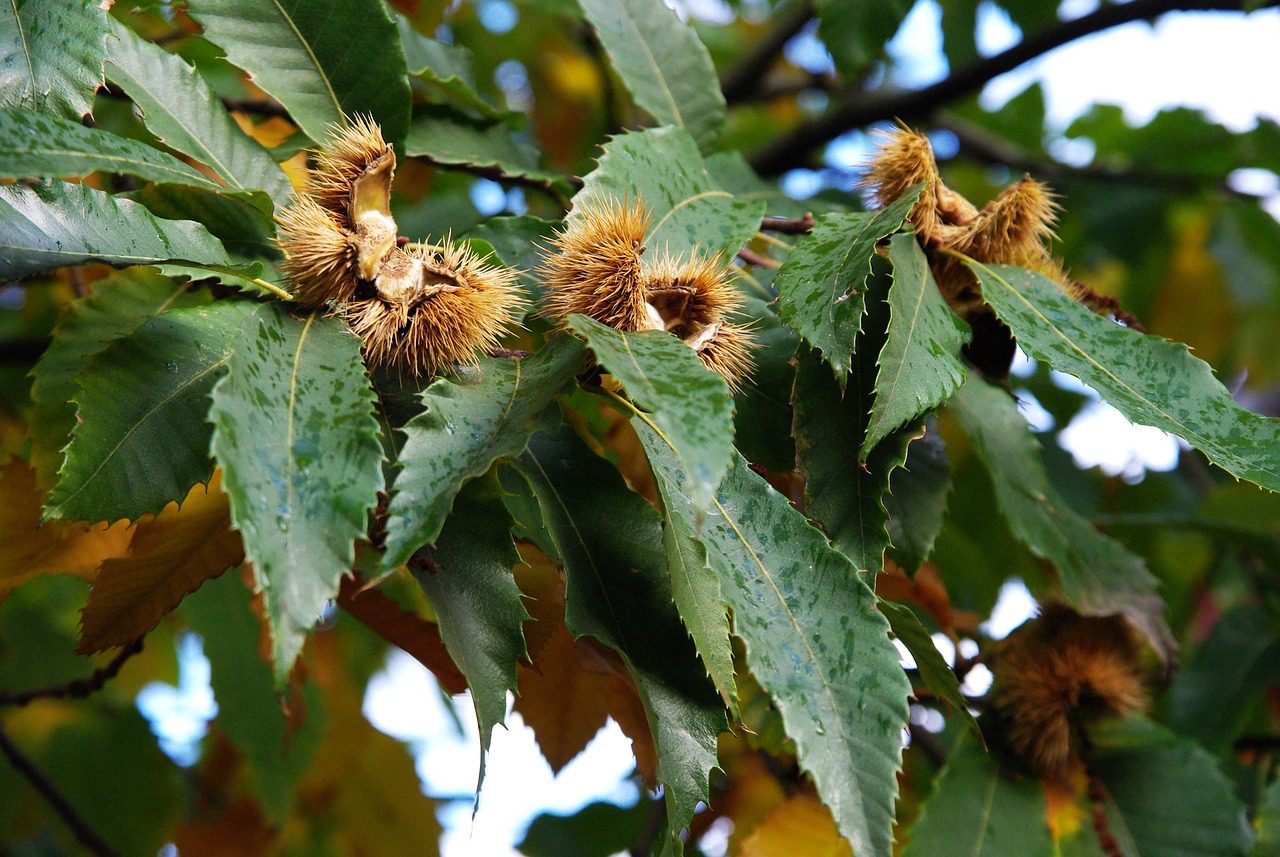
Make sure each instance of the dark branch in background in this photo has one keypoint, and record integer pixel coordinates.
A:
(789, 225)
(751, 257)
(81, 687)
(857, 109)
(740, 81)
(83, 832)
(982, 145)
(928, 743)
(257, 106)
(25, 350)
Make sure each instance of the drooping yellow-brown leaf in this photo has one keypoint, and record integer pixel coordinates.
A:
(29, 549)
(362, 786)
(169, 558)
(802, 825)
(564, 695)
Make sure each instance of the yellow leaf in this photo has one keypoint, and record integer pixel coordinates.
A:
(363, 786)
(170, 557)
(29, 549)
(802, 825)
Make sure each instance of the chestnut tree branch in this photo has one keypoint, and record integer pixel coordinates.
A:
(81, 687)
(856, 109)
(86, 835)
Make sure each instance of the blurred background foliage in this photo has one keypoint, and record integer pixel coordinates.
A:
(1165, 216)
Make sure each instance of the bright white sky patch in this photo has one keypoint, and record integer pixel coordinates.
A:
(404, 701)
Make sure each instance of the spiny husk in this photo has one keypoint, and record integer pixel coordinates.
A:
(594, 268)
(1057, 673)
(1014, 227)
(354, 161)
(689, 293)
(905, 158)
(434, 310)
(319, 255)
(726, 349)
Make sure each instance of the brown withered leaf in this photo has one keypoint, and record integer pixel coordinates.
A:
(169, 558)
(572, 685)
(563, 697)
(29, 549)
(802, 825)
(419, 638)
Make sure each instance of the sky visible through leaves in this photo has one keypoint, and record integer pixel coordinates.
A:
(405, 701)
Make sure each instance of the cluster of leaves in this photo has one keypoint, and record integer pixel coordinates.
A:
(597, 524)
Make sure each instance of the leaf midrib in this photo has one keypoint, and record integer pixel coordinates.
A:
(169, 398)
(306, 46)
(844, 738)
(26, 49)
(121, 159)
(625, 13)
(1183, 428)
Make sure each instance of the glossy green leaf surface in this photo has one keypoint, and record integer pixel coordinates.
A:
(1096, 573)
(844, 495)
(454, 141)
(688, 402)
(617, 591)
(295, 435)
(54, 224)
(141, 439)
(695, 588)
(815, 641)
(321, 59)
(446, 72)
(467, 578)
(117, 305)
(920, 363)
(1166, 796)
(822, 283)
(977, 810)
(661, 167)
(180, 108)
(471, 421)
(1151, 381)
(662, 63)
(917, 499)
(855, 31)
(32, 144)
(51, 55)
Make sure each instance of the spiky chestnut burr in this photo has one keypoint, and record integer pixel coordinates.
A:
(597, 267)
(1013, 229)
(433, 309)
(319, 255)
(1057, 674)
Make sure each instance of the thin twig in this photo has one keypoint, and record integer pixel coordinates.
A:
(789, 225)
(776, 242)
(858, 108)
(271, 287)
(751, 257)
(83, 832)
(744, 77)
(81, 687)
